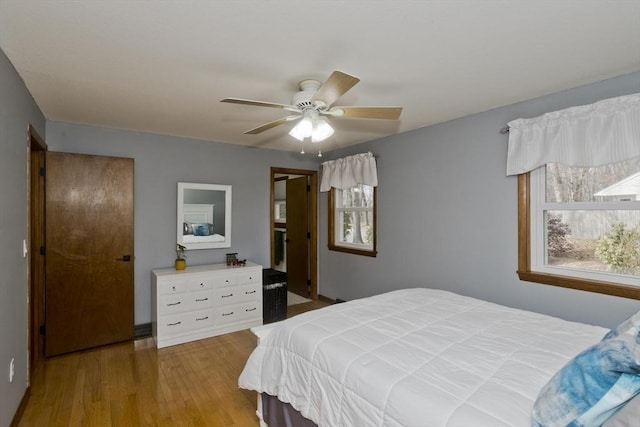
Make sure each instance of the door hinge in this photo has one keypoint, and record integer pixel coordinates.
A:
(42, 171)
(308, 235)
(308, 282)
(42, 250)
(43, 329)
(308, 187)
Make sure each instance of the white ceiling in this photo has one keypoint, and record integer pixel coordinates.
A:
(163, 66)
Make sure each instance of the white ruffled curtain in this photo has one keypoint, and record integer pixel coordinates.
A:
(605, 132)
(349, 171)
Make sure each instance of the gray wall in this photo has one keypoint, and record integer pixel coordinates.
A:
(17, 111)
(447, 216)
(163, 161)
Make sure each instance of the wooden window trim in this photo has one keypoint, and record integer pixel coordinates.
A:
(524, 255)
(331, 222)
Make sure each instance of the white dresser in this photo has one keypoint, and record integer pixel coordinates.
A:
(203, 301)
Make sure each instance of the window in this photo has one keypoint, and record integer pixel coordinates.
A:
(579, 227)
(352, 220)
(280, 211)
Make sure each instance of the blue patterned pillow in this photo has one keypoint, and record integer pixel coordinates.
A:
(594, 384)
(201, 229)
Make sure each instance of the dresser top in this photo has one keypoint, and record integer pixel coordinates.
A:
(205, 268)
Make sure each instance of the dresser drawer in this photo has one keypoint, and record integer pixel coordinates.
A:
(171, 304)
(224, 280)
(200, 319)
(238, 312)
(251, 276)
(200, 300)
(172, 325)
(172, 286)
(236, 294)
(249, 292)
(201, 283)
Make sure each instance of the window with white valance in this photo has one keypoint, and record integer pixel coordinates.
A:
(349, 171)
(579, 196)
(605, 132)
(352, 183)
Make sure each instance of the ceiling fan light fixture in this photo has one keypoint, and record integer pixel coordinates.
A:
(304, 128)
(312, 125)
(322, 130)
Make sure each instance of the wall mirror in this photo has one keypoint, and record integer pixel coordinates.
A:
(204, 215)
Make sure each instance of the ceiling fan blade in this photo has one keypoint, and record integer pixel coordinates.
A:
(271, 125)
(386, 113)
(336, 85)
(259, 103)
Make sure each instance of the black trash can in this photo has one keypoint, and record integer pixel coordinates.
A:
(274, 295)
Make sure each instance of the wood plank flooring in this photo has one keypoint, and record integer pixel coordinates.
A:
(135, 384)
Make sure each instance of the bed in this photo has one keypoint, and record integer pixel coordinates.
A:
(426, 357)
(198, 226)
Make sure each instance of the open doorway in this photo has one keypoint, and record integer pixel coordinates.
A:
(36, 148)
(294, 228)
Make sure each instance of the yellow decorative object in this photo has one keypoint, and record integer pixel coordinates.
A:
(181, 262)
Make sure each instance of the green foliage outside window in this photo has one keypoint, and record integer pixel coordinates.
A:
(620, 249)
(346, 223)
(557, 232)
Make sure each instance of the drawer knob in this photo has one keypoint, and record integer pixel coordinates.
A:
(227, 296)
(202, 299)
(173, 303)
(173, 324)
(250, 292)
(251, 309)
(227, 314)
(173, 288)
(201, 318)
(202, 285)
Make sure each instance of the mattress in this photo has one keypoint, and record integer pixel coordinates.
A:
(413, 357)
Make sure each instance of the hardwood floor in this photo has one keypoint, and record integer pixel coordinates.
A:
(135, 384)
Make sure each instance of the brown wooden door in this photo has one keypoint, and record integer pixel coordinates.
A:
(37, 148)
(89, 234)
(297, 236)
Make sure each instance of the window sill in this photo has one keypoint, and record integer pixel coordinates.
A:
(352, 250)
(608, 288)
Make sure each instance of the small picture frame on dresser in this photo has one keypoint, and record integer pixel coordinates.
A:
(232, 258)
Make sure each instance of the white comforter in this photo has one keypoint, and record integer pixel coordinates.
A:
(212, 238)
(414, 357)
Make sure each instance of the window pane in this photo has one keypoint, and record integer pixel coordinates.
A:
(614, 182)
(356, 197)
(594, 240)
(356, 227)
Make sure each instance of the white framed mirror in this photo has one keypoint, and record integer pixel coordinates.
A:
(204, 215)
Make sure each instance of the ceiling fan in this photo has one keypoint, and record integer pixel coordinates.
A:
(312, 102)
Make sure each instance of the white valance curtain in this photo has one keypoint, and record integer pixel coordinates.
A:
(605, 132)
(349, 171)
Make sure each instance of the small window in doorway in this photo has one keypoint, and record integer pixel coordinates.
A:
(280, 211)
